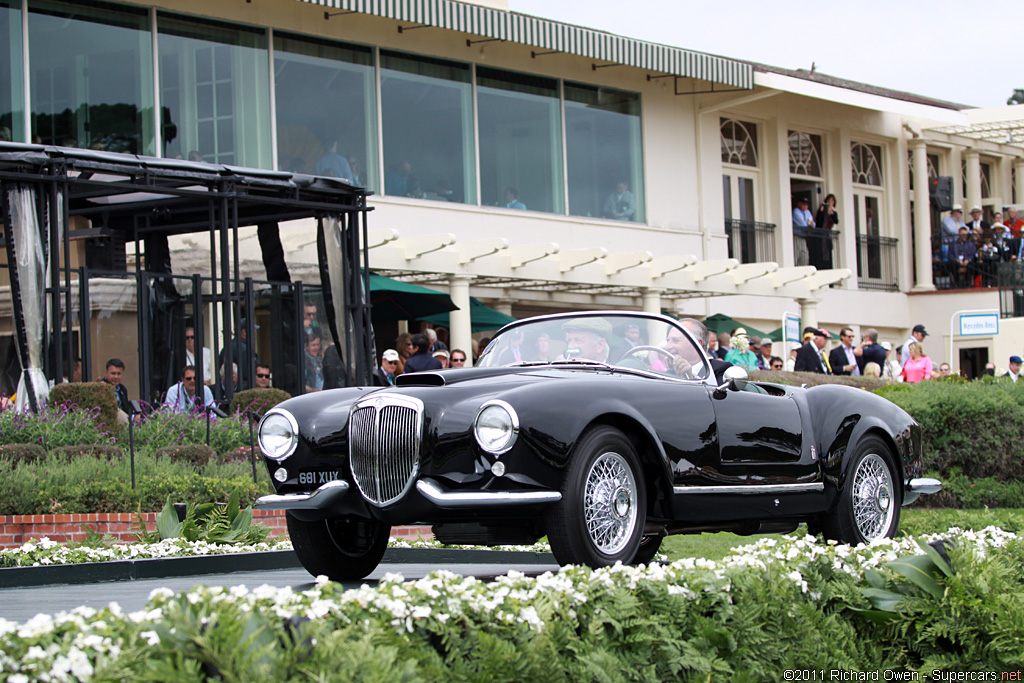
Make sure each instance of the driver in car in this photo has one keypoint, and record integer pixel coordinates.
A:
(684, 355)
(587, 338)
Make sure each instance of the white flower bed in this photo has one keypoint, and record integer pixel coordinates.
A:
(44, 552)
(69, 646)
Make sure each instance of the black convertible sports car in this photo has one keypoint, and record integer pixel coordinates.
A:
(605, 431)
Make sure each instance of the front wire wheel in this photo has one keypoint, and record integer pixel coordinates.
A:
(342, 549)
(869, 505)
(600, 519)
(873, 499)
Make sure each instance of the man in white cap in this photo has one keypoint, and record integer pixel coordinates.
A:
(764, 356)
(952, 223)
(385, 375)
(977, 226)
(791, 361)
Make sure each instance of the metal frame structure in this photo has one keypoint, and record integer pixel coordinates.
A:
(142, 197)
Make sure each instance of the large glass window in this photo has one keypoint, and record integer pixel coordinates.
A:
(866, 163)
(520, 127)
(326, 113)
(214, 92)
(604, 152)
(427, 109)
(11, 88)
(739, 142)
(91, 70)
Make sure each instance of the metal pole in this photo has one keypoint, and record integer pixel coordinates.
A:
(131, 446)
(252, 445)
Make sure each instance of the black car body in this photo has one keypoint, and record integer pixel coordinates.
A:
(605, 449)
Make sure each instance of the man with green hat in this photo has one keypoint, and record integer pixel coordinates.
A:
(587, 338)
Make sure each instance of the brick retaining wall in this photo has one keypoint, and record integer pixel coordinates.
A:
(18, 529)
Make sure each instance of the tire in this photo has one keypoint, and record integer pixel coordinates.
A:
(649, 547)
(343, 549)
(869, 506)
(600, 519)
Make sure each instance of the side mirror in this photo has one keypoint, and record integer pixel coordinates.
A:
(735, 380)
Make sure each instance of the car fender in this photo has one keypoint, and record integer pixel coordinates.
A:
(843, 416)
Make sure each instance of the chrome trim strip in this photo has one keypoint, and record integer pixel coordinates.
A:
(752, 489)
(314, 500)
(924, 485)
(448, 499)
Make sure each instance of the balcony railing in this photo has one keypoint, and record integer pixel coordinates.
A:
(815, 247)
(983, 270)
(750, 241)
(1011, 289)
(877, 263)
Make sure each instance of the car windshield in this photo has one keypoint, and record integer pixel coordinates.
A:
(627, 341)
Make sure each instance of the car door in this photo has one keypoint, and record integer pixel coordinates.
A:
(761, 438)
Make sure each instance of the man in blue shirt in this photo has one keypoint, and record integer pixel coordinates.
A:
(333, 165)
(181, 397)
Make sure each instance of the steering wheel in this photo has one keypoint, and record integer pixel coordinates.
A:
(669, 356)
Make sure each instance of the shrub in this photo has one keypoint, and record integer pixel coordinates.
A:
(63, 424)
(174, 429)
(194, 454)
(88, 450)
(87, 396)
(240, 454)
(813, 379)
(974, 428)
(959, 491)
(257, 400)
(21, 453)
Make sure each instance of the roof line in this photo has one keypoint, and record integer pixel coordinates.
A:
(555, 36)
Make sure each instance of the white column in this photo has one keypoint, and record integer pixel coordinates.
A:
(1018, 177)
(922, 219)
(503, 306)
(809, 312)
(972, 193)
(460, 332)
(651, 300)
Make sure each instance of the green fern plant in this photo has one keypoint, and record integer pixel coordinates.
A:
(209, 522)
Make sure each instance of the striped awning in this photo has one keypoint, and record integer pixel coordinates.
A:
(555, 36)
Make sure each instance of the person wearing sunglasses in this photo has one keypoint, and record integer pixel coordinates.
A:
(182, 398)
(190, 356)
(458, 359)
(262, 377)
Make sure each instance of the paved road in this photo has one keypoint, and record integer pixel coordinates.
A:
(20, 604)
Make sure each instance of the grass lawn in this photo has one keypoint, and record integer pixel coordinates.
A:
(913, 521)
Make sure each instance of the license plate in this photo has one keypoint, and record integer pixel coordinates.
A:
(318, 477)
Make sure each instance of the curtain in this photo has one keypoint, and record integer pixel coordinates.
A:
(31, 270)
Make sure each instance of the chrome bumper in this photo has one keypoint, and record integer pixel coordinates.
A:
(448, 499)
(314, 500)
(915, 487)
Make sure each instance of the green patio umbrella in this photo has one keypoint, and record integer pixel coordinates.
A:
(719, 323)
(396, 300)
(481, 317)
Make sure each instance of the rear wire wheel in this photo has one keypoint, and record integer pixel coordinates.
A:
(868, 507)
(600, 519)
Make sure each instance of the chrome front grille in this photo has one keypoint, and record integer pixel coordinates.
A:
(384, 446)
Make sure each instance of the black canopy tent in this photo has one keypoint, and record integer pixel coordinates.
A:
(144, 200)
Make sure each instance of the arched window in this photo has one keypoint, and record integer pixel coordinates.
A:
(804, 154)
(739, 142)
(867, 164)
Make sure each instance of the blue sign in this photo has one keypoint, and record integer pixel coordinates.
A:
(979, 325)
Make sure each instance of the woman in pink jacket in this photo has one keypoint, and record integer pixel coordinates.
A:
(918, 366)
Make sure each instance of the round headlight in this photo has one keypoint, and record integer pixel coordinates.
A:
(279, 434)
(496, 427)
